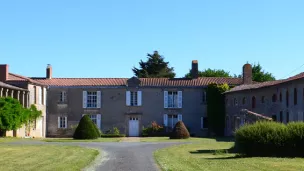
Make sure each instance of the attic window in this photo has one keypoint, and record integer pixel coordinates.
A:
(253, 102)
(244, 100)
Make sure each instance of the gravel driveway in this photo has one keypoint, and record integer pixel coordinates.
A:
(119, 156)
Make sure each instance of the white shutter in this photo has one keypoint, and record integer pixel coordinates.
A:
(99, 120)
(166, 99)
(128, 98)
(84, 99)
(180, 99)
(202, 122)
(139, 98)
(58, 122)
(180, 117)
(98, 99)
(66, 122)
(44, 96)
(165, 119)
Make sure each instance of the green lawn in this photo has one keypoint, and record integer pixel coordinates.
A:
(44, 157)
(205, 155)
(72, 140)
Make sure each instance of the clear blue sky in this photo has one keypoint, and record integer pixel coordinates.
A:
(107, 38)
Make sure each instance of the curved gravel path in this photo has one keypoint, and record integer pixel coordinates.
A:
(118, 156)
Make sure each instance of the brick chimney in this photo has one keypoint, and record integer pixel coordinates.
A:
(3, 72)
(247, 74)
(49, 71)
(194, 69)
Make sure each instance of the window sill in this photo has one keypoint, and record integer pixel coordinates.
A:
(173, 108)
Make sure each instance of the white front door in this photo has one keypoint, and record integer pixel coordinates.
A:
(133, 127)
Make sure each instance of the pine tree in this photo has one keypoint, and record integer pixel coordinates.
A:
(155, 67)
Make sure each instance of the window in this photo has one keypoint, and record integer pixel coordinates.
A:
(263, 99)
(133, 100)
(204, 123)
(244, 101)
(172, 120)
(287, 98)
(235, 102)
(253, 102)
(287, 117)
(62, 96)
(35, 95)
(274, 117)
(295, 96)
(172, 99)
(274, 98)
(62, 122)
(204, 97)
(281, 116)
(281, 97)
(39, 95)
(92, 99)
(227, 102)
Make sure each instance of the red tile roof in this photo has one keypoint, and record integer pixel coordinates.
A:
(14, 77)
(265, 84)
(202, 81)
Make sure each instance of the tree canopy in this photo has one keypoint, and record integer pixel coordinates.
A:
(259, 75)
(13, 115)
(154, 67)
(211, 73)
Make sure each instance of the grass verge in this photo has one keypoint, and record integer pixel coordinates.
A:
(210, 155)
(73, 140)
(167, 139)
(45, 157)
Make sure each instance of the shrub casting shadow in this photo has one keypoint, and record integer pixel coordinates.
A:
(219, 152)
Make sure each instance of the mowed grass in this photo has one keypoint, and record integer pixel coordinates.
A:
(73, 140)
(12, 139)
(210, 155)
(45, 157)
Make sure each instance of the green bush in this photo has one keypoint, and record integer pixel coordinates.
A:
(154, 130)
(116, 131)
(113, 135)
(270, 139)
(180, 131)
(86, 129)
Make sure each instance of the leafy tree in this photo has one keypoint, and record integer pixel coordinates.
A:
(155, 67)
(13, 115)
(216, 108)
(259, 75)
(211, 73)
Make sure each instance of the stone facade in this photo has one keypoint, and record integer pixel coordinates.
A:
(282, 100)
(67, 98)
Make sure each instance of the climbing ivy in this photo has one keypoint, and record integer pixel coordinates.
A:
(216, 108)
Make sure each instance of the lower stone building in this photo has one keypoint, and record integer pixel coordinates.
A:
(281, 100)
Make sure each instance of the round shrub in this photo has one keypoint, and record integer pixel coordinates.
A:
(180, 131)
(86, 129)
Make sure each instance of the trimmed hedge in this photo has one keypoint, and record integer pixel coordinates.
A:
(180, 131)
(112, 135)
(271, 139)
(86, 129)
